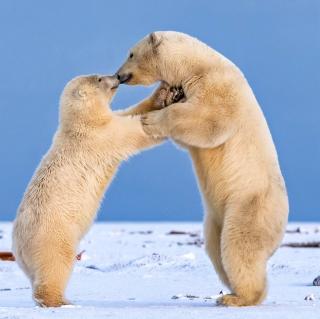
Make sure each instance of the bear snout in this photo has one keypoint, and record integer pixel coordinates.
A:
(123, 78)
(111, 81)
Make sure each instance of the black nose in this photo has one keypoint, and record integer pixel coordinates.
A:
(123, 78)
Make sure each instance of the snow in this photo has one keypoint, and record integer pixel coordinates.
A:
(150, 270)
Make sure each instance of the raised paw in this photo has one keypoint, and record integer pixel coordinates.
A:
(166, 95)
(171, 95)
(153, 124)
(176, 95)
(160, 96)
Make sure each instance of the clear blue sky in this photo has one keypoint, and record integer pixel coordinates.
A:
(45, 43)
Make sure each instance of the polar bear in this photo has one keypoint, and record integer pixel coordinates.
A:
(223, 128)
(65, 192)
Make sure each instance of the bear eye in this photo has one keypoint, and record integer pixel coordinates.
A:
(99, 80)
(131, 55)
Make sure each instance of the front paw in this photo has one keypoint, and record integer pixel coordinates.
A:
(166, 95)
(176, 95)
(160, 96)
(153, 124)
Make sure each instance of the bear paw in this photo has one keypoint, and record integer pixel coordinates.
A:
(231, 300)
(152, 123)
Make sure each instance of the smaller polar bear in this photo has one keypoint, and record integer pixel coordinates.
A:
(65, 192)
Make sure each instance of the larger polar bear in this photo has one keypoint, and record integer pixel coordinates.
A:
(221, 124)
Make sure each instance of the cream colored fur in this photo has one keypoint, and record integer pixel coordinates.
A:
(221, 124)
(64, 194)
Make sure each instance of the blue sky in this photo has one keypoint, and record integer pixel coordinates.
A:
(46, 43)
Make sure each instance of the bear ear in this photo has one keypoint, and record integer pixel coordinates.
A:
(81, 93)
(155, 41)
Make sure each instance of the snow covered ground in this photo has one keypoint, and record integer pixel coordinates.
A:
(143, 271)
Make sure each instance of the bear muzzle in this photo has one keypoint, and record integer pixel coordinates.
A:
(111, 81)
(123, 78)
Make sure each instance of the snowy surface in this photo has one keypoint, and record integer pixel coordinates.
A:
(141, 271)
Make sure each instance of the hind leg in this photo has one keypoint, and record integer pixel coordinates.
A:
(244, 259)
(212, 234)
(54, 268)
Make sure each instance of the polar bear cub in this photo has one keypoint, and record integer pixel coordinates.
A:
(64, 194)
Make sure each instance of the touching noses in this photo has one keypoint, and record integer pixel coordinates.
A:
(123, 78)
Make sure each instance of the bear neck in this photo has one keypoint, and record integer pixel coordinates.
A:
(82, 122)
(181, 66)
(177, 69)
